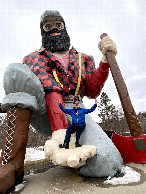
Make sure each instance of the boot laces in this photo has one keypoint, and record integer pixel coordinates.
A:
(9, 139)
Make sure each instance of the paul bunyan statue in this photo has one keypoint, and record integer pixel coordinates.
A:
(55, 72)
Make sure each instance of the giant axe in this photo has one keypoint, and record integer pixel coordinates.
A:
(130, 115)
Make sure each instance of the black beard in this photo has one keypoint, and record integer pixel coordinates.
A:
(55, 43)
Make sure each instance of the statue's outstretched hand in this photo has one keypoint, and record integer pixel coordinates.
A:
(73, 157)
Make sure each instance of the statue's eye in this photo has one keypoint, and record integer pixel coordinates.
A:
(48, 27)
(59, 25)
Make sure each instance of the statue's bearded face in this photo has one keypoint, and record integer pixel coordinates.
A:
(54, 36)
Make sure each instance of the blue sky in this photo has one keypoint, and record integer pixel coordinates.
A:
(86, 20)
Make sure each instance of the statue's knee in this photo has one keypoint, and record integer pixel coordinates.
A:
(19, 82)
(19, 99)
(15, 78)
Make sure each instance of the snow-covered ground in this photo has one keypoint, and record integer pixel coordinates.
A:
(33, 154)
(130, 175)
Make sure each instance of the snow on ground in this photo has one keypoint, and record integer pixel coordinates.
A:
(33, 154)
(130, 175)
(20, 186)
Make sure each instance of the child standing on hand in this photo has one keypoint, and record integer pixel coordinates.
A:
(78, 121)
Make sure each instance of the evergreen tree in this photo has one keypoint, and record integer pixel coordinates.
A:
(107, 110)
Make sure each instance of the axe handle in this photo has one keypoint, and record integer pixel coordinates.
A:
(130, 115)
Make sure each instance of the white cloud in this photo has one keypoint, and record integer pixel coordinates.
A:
(136, 77)
(86, 20)
(131, 6)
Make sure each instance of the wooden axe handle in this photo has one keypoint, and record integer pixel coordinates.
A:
(130, 115)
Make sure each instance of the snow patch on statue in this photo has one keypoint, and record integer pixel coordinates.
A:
(73, 157)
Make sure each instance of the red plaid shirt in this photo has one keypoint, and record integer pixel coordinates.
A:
(41, 63)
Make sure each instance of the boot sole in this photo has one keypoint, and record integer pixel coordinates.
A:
(18, 181)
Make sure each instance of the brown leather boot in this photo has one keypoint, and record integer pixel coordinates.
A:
(14, 148)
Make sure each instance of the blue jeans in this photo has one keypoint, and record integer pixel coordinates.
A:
(78, 128)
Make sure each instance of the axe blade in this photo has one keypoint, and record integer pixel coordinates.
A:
(139, 144)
